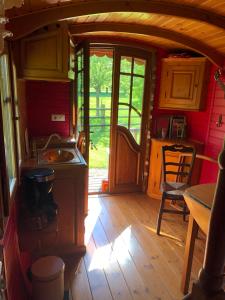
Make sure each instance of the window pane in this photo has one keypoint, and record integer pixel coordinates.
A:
(7, 120)
(138, 93)
(135, 125)
(123, 115)
(124, 93)
(139, 66)
(125, 65)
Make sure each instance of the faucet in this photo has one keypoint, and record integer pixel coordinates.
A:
(49, 139)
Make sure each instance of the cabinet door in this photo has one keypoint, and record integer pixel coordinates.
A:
(182, 84)
(45, 55)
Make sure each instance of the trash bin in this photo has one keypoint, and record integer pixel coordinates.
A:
(48, 278)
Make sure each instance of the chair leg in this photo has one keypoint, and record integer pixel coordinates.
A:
(160, 215)
(184, 212)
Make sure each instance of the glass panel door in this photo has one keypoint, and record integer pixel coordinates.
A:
(129, 120)
(82, 98)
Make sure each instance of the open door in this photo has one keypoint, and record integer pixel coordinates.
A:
(82, 98)
(129, 121)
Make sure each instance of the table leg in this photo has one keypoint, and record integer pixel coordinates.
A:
(189, 251)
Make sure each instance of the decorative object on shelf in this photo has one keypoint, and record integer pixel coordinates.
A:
(6, 4)
(177, 127)
(219, 76)
(162, 125)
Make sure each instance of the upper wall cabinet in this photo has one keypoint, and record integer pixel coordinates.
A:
(183, 83)
(45, 54)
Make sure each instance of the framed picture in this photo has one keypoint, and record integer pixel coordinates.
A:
(162, 126)
(177, 127)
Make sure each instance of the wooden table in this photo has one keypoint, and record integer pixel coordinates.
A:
(199, 200)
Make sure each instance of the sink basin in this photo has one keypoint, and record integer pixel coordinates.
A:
(50, 156)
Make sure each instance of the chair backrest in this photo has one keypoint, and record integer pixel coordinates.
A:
(176, 167)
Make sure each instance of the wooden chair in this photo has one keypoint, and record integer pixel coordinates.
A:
(176, 176)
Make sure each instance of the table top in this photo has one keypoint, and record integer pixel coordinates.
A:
(202, 193)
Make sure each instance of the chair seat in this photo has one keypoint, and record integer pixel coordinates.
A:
(175, 189)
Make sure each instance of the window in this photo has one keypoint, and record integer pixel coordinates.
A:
(7, 119)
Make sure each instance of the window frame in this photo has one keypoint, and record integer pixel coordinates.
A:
(7, 193)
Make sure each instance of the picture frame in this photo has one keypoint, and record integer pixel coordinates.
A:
(162, 126)
(177, 127)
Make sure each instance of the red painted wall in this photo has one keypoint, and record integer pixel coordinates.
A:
(43, 99)
(201, 126)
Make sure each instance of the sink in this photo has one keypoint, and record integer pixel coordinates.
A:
(51, 156)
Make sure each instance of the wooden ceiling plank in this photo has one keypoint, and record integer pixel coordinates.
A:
(213, 55)
(37, 19)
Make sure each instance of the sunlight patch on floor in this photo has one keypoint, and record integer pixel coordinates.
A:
(94, 210)
(178, 241)
(107, 255)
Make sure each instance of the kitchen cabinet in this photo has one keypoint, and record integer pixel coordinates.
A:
(183, 82)
(45, 54)
(155, 168)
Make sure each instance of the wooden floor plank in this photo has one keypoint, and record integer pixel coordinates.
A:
(80, 288)
(125, 258)
(108, 262)
(97, 280)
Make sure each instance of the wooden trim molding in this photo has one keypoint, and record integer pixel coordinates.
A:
(213, 55)
(39, 18)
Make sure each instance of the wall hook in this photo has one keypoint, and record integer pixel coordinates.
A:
(219, 123)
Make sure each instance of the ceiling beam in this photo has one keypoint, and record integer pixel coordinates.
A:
(213, 55)
(27, 23)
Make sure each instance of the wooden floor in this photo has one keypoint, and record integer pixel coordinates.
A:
(125, 258)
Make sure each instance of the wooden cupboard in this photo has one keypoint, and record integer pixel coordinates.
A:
(155, 168)
(65, 235)
(46, 54)
(183, 83)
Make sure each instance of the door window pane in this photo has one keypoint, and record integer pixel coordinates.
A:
(138, 93)
(135, 125)
(123, 115)
(125, 65)
(124, 92)
(139, 66)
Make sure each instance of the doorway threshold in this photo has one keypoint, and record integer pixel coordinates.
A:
(96, 177)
